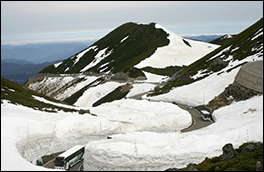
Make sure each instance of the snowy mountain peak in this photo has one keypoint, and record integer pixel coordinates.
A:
(130, 45)
(171, 34)
(227, 36)
(179, 52)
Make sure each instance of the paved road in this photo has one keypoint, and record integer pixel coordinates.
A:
(198, 122)
(255, 68)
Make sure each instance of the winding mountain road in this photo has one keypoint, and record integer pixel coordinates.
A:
(198, 122)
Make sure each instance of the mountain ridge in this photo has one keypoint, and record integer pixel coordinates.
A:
(123, 49)
(240, 48)
(222, 58)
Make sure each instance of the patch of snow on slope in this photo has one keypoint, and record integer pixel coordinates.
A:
(50, 85)
(258, 33)
(227, 36)
(199, 92)
(177, 52)
(220, 53)
(152, 78)
(124, 39)
(73, 89)
(82, 53)
(57, 64)
(201, 73)
(93, 94)
(99, 57)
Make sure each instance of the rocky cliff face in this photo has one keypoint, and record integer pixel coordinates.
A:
(234, 92)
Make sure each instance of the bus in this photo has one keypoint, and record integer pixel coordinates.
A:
(69, 158)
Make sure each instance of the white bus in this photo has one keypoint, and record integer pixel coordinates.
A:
(69, 158)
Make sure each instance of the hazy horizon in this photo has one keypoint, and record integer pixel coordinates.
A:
(25, 22)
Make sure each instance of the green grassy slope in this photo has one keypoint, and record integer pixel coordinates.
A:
(18, 94)
(245, 161)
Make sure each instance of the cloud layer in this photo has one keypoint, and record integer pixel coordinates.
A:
(183, 17)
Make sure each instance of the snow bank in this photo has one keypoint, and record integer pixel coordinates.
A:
(18, 122)
(142, 115)
(28, 134)
(235, 124)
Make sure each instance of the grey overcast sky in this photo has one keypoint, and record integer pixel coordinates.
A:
(43, 21)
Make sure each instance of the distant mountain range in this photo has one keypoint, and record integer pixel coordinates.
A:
(223, 39)
(204, 38)
(41, 53)
(20, 62)
(20, 71)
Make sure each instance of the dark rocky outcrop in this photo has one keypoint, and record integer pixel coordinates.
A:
(234, 92)
(82, 111)
(230, 159)
(228, 152)
(120, 77)
(252, 147)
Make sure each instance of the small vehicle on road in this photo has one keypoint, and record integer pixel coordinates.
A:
(176, 103)
(190, 107)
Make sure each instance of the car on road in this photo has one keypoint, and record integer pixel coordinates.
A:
(190, 107)
(176, 103)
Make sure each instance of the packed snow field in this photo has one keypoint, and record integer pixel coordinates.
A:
(35, 133)
(177, 52)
